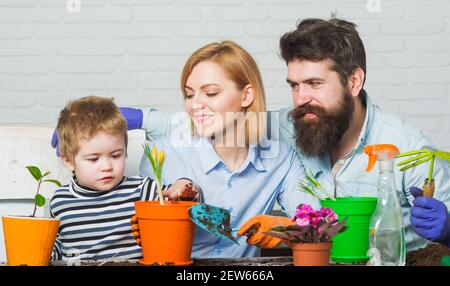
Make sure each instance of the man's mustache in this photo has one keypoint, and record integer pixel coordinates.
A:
(300, 111)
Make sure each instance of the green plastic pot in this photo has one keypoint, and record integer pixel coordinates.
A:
(445, 260)
(351, 245)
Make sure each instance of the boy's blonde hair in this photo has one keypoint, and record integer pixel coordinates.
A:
(242, 69)
(83, 118)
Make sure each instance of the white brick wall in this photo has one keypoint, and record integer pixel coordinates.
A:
(134, 50)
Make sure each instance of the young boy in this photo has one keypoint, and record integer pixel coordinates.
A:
(96, 207)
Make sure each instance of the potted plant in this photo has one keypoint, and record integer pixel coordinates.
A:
(420, 157)
(352, 246)
(29, 240)
(165, 228)
(310, 238)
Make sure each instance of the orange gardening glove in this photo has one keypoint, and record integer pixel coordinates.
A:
(255, 228)
(135, 229)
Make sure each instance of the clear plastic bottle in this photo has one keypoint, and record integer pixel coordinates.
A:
(386, 236)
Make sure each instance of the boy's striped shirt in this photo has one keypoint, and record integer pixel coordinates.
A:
(95, 224)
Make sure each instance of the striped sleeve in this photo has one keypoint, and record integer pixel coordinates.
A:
(149, 189)
(56, 253)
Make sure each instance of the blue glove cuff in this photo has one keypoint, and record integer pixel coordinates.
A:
(446, 235)
(133, 116)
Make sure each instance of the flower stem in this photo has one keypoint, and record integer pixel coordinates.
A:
(37, 192)
(159, 190)
(430, 174)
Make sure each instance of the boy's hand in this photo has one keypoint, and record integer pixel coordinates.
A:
(135, 229)
(182, 189)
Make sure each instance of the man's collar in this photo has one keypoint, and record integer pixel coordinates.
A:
(368, 120)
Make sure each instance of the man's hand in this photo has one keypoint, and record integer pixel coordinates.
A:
(182, 189)
(429, 217)
(255, 228)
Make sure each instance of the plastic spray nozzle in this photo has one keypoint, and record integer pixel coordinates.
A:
(380, 152)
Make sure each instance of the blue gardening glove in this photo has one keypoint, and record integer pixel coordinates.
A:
(429, 217)
(55, 142)
(133, 116)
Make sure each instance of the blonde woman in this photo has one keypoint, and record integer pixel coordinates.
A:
(226, 149)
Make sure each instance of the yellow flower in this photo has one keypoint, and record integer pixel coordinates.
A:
(161, 158)
(154, 153)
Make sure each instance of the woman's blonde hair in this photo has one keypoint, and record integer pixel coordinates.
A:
(83, 118)
(242, 69)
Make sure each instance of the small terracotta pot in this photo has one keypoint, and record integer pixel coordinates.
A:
(166, 232)
(311, 254)
(29, 240)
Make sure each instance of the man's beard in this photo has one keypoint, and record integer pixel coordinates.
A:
(319, 135)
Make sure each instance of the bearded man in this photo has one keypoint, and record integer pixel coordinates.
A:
(334, 119)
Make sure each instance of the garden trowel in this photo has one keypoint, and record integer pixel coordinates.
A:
(212, 219)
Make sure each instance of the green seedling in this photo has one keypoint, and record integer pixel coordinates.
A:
(157, 161)
(420, 157)
(310, 183)
(39, 200)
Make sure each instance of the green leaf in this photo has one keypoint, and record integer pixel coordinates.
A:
(56, 182)
(279, 228)
(35, 172)
(416, 163)
(302, 186)
(412, 159)
(45, 174)
(442, 155)
(311, 179)
(39, 200)
(415, 152)
(283, 236)
(156, 169)
(296, 227)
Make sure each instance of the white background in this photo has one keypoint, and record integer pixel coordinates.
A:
(134, 50)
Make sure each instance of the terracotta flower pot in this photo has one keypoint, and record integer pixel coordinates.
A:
(29, 240)
(166, 232)
(311, 254)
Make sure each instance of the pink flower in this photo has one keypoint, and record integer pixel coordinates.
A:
(304, 209)
(330, 217)
(305, 215)
(318, 214)
(315, 221)
(302, 219)
(326, 211)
